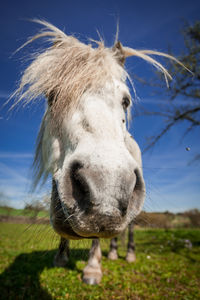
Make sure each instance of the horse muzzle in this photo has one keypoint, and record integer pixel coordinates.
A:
(89, 206)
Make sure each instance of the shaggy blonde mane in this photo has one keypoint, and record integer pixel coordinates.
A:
(66, 69)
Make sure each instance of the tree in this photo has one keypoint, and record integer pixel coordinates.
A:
(36, 205)
(194, 216)
(185, 85)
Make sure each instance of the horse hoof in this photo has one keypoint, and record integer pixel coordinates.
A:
(130, 257)
(60, 261)
(90, 280)
(112, 255)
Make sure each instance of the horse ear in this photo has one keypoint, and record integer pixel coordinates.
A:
(119, 53)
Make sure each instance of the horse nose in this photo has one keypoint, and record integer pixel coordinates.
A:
(92, 192)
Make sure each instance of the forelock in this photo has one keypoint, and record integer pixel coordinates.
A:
(65, 71)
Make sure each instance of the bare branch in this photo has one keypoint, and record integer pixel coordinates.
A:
(183, 85)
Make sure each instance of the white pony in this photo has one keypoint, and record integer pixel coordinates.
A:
(96, 169)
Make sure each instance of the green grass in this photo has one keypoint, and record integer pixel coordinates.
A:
(167, 267)
(9, 211)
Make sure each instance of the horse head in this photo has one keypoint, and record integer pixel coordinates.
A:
(97, 182)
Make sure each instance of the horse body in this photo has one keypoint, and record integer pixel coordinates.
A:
(97, 182)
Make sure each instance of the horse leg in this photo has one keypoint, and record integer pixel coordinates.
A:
(62, 256)
(113, 249)
(130, 256)
(92, 272)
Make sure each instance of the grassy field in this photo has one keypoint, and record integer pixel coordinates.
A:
(9, 211)
(167, 266)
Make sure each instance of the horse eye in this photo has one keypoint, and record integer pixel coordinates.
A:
(126, 102)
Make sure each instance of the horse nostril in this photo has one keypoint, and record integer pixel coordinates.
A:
(123, 205)
(75, 166)
(129, 190)
(80, 187)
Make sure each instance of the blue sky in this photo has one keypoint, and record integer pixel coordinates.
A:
(172, 184)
